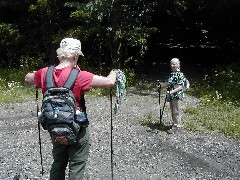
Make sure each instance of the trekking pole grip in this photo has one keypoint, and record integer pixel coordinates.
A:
(158, 85)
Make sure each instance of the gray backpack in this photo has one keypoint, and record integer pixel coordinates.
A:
(59, 112)
(186, 84)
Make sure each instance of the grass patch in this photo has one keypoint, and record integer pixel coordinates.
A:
(147, 120)
(215, 116)
(16, 94)
(219, 97)
(94, 92)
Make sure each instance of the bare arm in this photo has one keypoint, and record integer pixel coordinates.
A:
(29, 78)
(178, 88)
(165, 85)
(104, 82)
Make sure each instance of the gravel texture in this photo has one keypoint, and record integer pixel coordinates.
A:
(139, 152)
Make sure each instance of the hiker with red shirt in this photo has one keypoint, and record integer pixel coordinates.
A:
(76, 155)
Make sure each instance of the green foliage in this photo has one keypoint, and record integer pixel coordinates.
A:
(114, 31)
(138, 37)
(112, 27)
(91, 12)
(216, 116)
(9, 34)
(223, 84)
(9, 40)
(28, 63)
(219, 102)
(12, 87)
(131, 77)
(11, 78)
(16, 93)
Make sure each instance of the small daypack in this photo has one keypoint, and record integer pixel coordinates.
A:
(59, 113)
(186, 84)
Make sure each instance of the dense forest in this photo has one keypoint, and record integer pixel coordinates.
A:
(130, 34)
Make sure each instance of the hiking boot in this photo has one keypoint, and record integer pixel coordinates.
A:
(173, 130)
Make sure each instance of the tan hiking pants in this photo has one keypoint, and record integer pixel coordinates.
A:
(175, 106)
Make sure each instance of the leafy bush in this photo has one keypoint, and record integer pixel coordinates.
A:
(222, 83)
(11, 78)
(28, 63)
(219, 101)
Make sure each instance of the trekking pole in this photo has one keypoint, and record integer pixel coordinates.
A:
(159, 99)
(161, 115)
(111, 134)
(39, 134)
(164, 104)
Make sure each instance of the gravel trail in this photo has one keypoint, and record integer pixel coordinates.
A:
(139, 152)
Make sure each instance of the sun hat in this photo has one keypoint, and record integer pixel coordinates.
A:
(71, 45)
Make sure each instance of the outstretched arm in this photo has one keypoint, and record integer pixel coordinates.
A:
(104, 82)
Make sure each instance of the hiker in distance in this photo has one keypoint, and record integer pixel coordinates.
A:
(76, 155)
(174, 93)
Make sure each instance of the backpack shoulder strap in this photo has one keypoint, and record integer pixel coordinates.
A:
(49, 77)
(71, 78)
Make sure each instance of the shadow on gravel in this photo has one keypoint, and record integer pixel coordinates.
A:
(154, 127)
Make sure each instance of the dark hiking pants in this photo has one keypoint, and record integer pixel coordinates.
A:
(75, 155)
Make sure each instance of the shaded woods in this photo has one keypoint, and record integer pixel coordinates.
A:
(127, 34)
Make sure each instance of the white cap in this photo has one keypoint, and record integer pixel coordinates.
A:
(71, 45)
